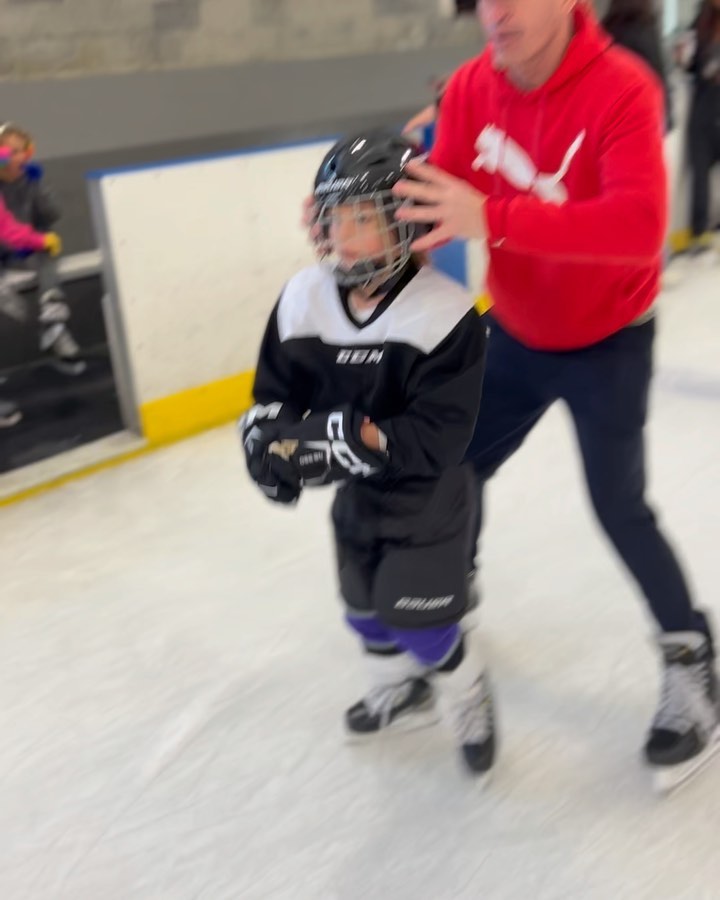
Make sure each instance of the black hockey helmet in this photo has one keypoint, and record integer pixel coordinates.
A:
(363, 168)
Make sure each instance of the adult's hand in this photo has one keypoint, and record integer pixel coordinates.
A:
(450, 205)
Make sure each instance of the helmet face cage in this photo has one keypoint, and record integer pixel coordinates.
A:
(396, 237)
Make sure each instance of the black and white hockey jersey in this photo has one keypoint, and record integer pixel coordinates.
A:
(414, 367)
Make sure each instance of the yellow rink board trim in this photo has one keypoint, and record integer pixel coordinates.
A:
(679, 241)
(197, 409)
(83, 472)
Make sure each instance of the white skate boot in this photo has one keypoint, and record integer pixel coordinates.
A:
(466, 698)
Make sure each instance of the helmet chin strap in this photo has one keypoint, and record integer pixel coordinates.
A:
(375, 285)
(386, 286)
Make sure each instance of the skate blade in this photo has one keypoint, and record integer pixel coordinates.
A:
(479, 780)
(667, 779)
(417, 720)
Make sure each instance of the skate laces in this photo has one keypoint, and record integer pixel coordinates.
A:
(12, 304)
(58, 339)
(471, 713)
(53, 311)
(65, 344)
(684, 701)
(382, 700)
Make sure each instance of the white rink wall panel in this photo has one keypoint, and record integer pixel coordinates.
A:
(200, 252)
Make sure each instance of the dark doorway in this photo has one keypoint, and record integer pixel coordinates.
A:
(60, 411)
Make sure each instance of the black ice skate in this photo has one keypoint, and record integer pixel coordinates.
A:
(385, 706)
(685, 732)
(399, 698)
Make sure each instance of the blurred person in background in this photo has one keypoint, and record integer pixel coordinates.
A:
(699, 53)
(428, 114)
(18, 236)
(635, 25)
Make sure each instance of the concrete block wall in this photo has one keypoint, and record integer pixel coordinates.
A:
(50, 38)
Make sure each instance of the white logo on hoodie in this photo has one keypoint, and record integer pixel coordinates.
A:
(499, 153)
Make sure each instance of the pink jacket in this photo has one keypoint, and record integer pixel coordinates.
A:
(17, 235)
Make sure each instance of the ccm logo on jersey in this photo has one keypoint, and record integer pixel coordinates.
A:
(358, 357)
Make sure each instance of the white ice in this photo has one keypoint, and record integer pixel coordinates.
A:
(174, 669)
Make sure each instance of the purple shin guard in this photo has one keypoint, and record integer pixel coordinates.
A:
(375, 636)
(433, 647)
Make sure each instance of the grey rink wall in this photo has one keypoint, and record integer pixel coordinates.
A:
(46, 38)
(102, 121)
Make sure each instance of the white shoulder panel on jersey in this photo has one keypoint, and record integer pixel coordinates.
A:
(427, 310)
(310, 308)
(422, 316)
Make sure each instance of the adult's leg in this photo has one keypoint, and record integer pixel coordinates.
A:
(606, 388)
(516, 393)
(608, 399)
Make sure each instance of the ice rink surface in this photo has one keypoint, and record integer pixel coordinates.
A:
(174, 669)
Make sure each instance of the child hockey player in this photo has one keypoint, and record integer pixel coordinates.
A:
(370, 375)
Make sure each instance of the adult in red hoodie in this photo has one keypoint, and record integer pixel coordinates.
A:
(549, 147)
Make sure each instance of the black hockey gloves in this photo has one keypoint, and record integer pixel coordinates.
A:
(324, 447)
(258, 428)
(284, 455)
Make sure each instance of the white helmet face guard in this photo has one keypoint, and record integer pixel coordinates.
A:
(397, 236)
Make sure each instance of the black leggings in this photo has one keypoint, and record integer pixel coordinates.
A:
(606, 390)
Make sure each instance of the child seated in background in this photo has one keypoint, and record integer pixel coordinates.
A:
(30, 202)
(18, 237)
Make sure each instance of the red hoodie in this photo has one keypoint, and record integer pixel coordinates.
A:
(576, 184)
